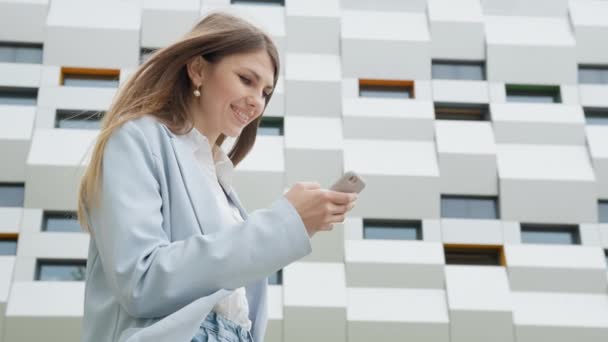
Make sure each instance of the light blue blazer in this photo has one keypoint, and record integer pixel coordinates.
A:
(161, 256)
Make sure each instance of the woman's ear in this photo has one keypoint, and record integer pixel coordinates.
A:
(196, 70)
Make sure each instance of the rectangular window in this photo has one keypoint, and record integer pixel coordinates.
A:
(606, 254)
(603, 211)
(259, 2)
(61, 270)
(12, 194)
(386, 88)
(60, 222)
(276, 278)
(18, 96)
(484, 255)
(550, 234)
(392, 229)
(144, 54)
(533, 93)
(80, 119)
(593, 74)
(271, 126)
(471, 207)
(596, 116)
(82, 77)
(458, 70)
(461, 111)
(20, 53)
(8, 244)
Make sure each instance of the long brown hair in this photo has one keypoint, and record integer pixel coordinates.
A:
(161, 87)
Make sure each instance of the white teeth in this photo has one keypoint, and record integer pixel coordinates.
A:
(243, 117)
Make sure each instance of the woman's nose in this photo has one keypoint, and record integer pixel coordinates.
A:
(255, 103)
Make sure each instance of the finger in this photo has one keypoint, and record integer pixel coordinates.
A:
(336, 209)
(338, 218)
(351, 205)
(310, 185)
(341, 197)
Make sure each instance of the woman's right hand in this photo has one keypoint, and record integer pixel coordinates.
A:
(319, 208)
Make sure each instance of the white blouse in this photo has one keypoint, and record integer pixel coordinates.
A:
(219, 166)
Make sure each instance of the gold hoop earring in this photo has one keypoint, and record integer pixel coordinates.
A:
(197, 92)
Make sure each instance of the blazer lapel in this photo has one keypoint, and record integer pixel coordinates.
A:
(237, 202)
(205, 207)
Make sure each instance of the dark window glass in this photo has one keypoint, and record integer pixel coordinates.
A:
(18, 96)
(534, 94)
(144, 54)
(593, 74)
(471, 256)
(82, 119)
(405, 92)
(60, 222)
(603, 211)
(449, 70)
(550, 234)
(596, 116)
(20, 53)
(606, 253)
(61, 270)
(97, 81)
(11, 195)
(8, 246)
(458, 111)
(276, 278)
(392, 230)
(259, 2)
(271, 126)
(469, 207)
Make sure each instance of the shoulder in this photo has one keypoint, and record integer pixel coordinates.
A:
(146, 130)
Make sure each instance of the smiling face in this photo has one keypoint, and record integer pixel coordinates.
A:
(233, 92)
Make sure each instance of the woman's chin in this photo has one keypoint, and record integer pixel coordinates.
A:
(232, 133)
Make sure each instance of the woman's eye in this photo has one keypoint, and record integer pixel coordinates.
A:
(245, 80)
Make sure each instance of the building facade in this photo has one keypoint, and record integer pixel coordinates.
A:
(479, 126)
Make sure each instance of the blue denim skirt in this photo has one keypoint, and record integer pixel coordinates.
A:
(217, 328)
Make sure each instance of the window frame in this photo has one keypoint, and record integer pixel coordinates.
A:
(10, 237)
(457, 63)
(595, 67)
(602, 203)
(25, 92)
(393, 224)
(60, 115)
(58, 262)
(145, 53)
(495, 199)
(596, 113)
(14, 184)
(23, 45)
(258, 2)
(456, 247)
(554, 228)
(279, 274)
(272, 120)
(46, 214)
(90, 74)
(463, 108)
(382, 83)
(531, 90)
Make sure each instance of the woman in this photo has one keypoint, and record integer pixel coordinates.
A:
(173, 254)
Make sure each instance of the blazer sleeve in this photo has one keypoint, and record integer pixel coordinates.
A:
(152, 276)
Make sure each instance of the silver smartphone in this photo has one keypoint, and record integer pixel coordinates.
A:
(349, 182)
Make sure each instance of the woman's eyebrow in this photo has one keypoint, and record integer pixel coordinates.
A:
(257, 77)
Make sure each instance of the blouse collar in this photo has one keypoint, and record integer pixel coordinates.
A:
(223, 166)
